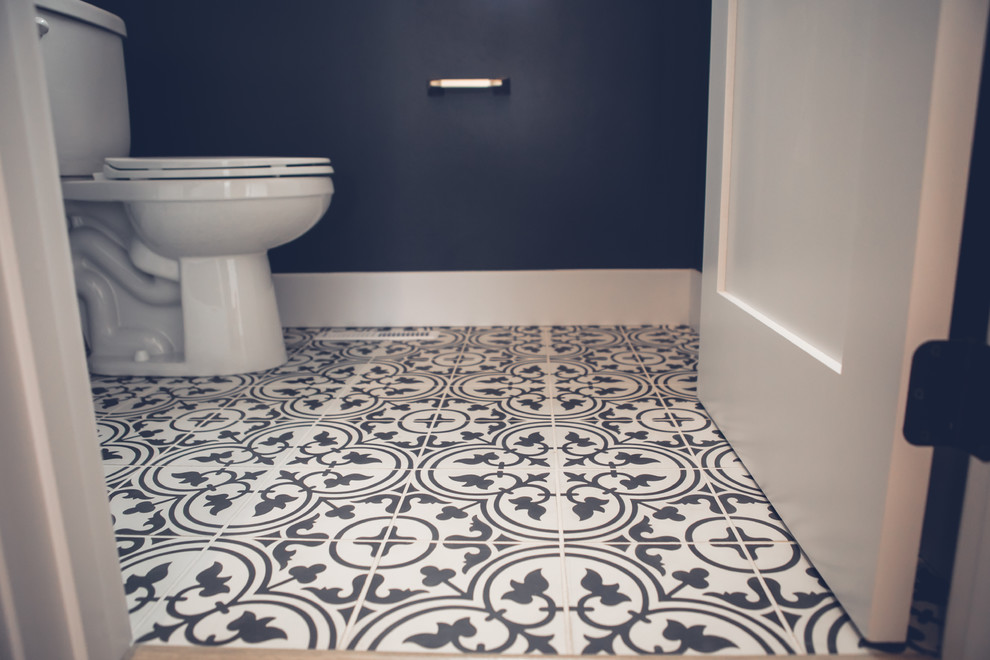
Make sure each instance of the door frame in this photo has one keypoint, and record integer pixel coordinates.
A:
(61, 594)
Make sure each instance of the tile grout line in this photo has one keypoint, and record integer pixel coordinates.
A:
(256, 378)
(349, 629)
(799, 647)
(547, 338)
(211, 540)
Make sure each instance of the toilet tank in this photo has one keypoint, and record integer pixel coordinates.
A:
(83, 52)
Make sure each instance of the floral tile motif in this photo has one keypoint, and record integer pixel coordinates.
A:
(409, 428)
(333, 444)
(644, 422)
(494, 441)
(459, 599)
(664, 599)
(295, 338)
(151, 565)
(718, 454)
(176, 501)
(524, 341)
(300, 394)
(240, 447)
(263, 593)
(135, 396)
(580, 340)
(440, 360)
(636, 505)
(747, 506)
(519, 390)
(347, 502)
(580, 389)
(808, 607)
(658, 361)
(320, 360)
(516, 490)
(621, 358)
(611, 445)
(483, 504)
(126, 441)
(397, 381)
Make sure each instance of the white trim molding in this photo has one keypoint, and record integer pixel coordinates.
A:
(518, 297)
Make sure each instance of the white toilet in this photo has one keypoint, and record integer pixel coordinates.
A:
(170, 254)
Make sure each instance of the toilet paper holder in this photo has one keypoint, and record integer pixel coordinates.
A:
(437, 86)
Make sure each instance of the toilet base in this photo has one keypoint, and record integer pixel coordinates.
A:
(230, 323)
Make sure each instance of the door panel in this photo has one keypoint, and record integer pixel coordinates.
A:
(839, 137)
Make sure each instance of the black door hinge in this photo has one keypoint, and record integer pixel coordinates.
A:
(949, 397)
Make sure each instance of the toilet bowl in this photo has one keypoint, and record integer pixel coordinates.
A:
(169, 254)
(203, 226)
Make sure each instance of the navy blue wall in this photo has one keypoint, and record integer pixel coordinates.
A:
(595, 160)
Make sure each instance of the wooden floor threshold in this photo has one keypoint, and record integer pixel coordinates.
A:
(143, 652)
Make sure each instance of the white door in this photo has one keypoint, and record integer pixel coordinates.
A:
(838, 149)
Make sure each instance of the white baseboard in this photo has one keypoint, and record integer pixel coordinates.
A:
(533, 297)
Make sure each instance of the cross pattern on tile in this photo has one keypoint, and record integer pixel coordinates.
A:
(544, 490)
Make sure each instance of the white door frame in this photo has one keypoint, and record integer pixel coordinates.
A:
(60, 589)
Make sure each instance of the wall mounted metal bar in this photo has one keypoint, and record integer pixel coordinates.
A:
(438, 86)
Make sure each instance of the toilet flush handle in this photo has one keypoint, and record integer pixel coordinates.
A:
(43, 26)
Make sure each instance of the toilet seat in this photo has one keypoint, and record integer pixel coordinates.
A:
(101, 188)
(213, 168)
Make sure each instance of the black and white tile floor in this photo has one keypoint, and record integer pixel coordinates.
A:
(505, 490)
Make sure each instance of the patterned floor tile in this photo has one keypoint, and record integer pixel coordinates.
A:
(412, 428)
(663, 336)
(659, 360)
(146, 439)
(397, 381)
(341, 444)
(258, 449)
(494, 441)
(464, 599)
(151, 565)
(482, 504)
(621, 358)
(643, 506)
(300, 394)
(133, 441)
(718, 455)
(580, 340)
(665, 599)
(296, 338)
(176, 501)
(642, 423)
(131, 396)
(519, 390)
(421, 357)
(679, 383)
(348, 502)
(579, 386)
(513, 490)
(809, 608)
(321, 360)
(743, 501)
(524, 341)
(585, 445)
(263, 593)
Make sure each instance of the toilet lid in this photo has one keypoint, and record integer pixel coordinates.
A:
(213, 168)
